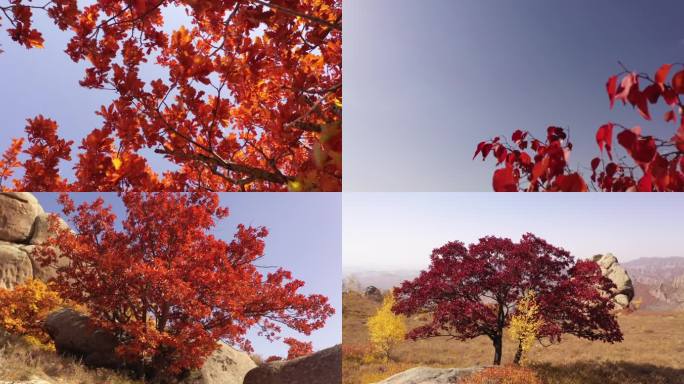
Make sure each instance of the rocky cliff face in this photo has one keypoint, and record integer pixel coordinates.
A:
(23, 226)
(659, 282)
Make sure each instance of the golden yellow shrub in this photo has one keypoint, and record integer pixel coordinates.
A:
(525, 324)
(23, 310)
(386, 329)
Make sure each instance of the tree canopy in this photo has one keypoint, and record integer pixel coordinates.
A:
(251, 98)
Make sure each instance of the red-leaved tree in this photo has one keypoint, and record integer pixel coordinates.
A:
(471, 292)
(648, 164)
(166, 287)
(297, 349)
(250, 97)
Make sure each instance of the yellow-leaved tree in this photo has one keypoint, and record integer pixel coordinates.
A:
(23, 310)
(525, 324)
(386, 329)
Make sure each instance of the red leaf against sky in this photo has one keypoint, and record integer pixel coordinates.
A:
(504, 180)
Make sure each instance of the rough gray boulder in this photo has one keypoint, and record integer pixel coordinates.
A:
(322, 367)
(373, 293)
(18, 212)
(610, 268)
(75, 335)
(15, 266)
(426, 375)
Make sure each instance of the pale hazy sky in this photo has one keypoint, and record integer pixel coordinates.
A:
(305, 238)
(388, 231)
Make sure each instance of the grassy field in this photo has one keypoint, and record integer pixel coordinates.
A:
(652, 352)
(20, 361)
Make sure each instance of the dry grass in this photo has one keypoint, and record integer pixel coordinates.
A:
(651, 352)
(21, 361)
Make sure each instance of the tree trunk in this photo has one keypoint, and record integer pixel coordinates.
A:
(518, 355)
(498, 344)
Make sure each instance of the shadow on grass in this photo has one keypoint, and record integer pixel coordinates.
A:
(608, 372)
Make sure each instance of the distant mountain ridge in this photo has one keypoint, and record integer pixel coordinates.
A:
(658, 281)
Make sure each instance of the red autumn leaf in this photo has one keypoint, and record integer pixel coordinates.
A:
(661, 74)
(678, 82)
(480, 146)
(630, 80)
(525, 159)
(604, 138)
(518, 136)
(670, 97)
(652, 93)
(639, 101)
(595, 163)
(500, 152)
(627, 139)
(645, 184)
(570, 183)
(645, 150)
(504, 180)
(611, 88)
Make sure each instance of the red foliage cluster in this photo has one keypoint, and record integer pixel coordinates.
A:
(472, 292)
(167, 287)
(251, 99)
(655, 164)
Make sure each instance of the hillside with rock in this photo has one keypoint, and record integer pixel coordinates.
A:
(659, 282)
(81, 345)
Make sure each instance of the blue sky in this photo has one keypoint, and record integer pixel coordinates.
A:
(425, 81)
(305, 238)
(398, 231)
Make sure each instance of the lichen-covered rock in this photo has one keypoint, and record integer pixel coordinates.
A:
(75, 334)
(610, 268)
(322, 367)
(18, 212)
(225, 366)
(426, 375)
(15, 266)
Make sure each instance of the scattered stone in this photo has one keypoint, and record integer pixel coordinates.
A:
(426, 375)
(322, 367)
(374, 294)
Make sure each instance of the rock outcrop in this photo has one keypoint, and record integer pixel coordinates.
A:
(15, 265)
(23, 226)
(18, 212)
(225, 366)
(426, 375)
(322, 367)
(75, 335)
(624, 292)
(373, 293)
